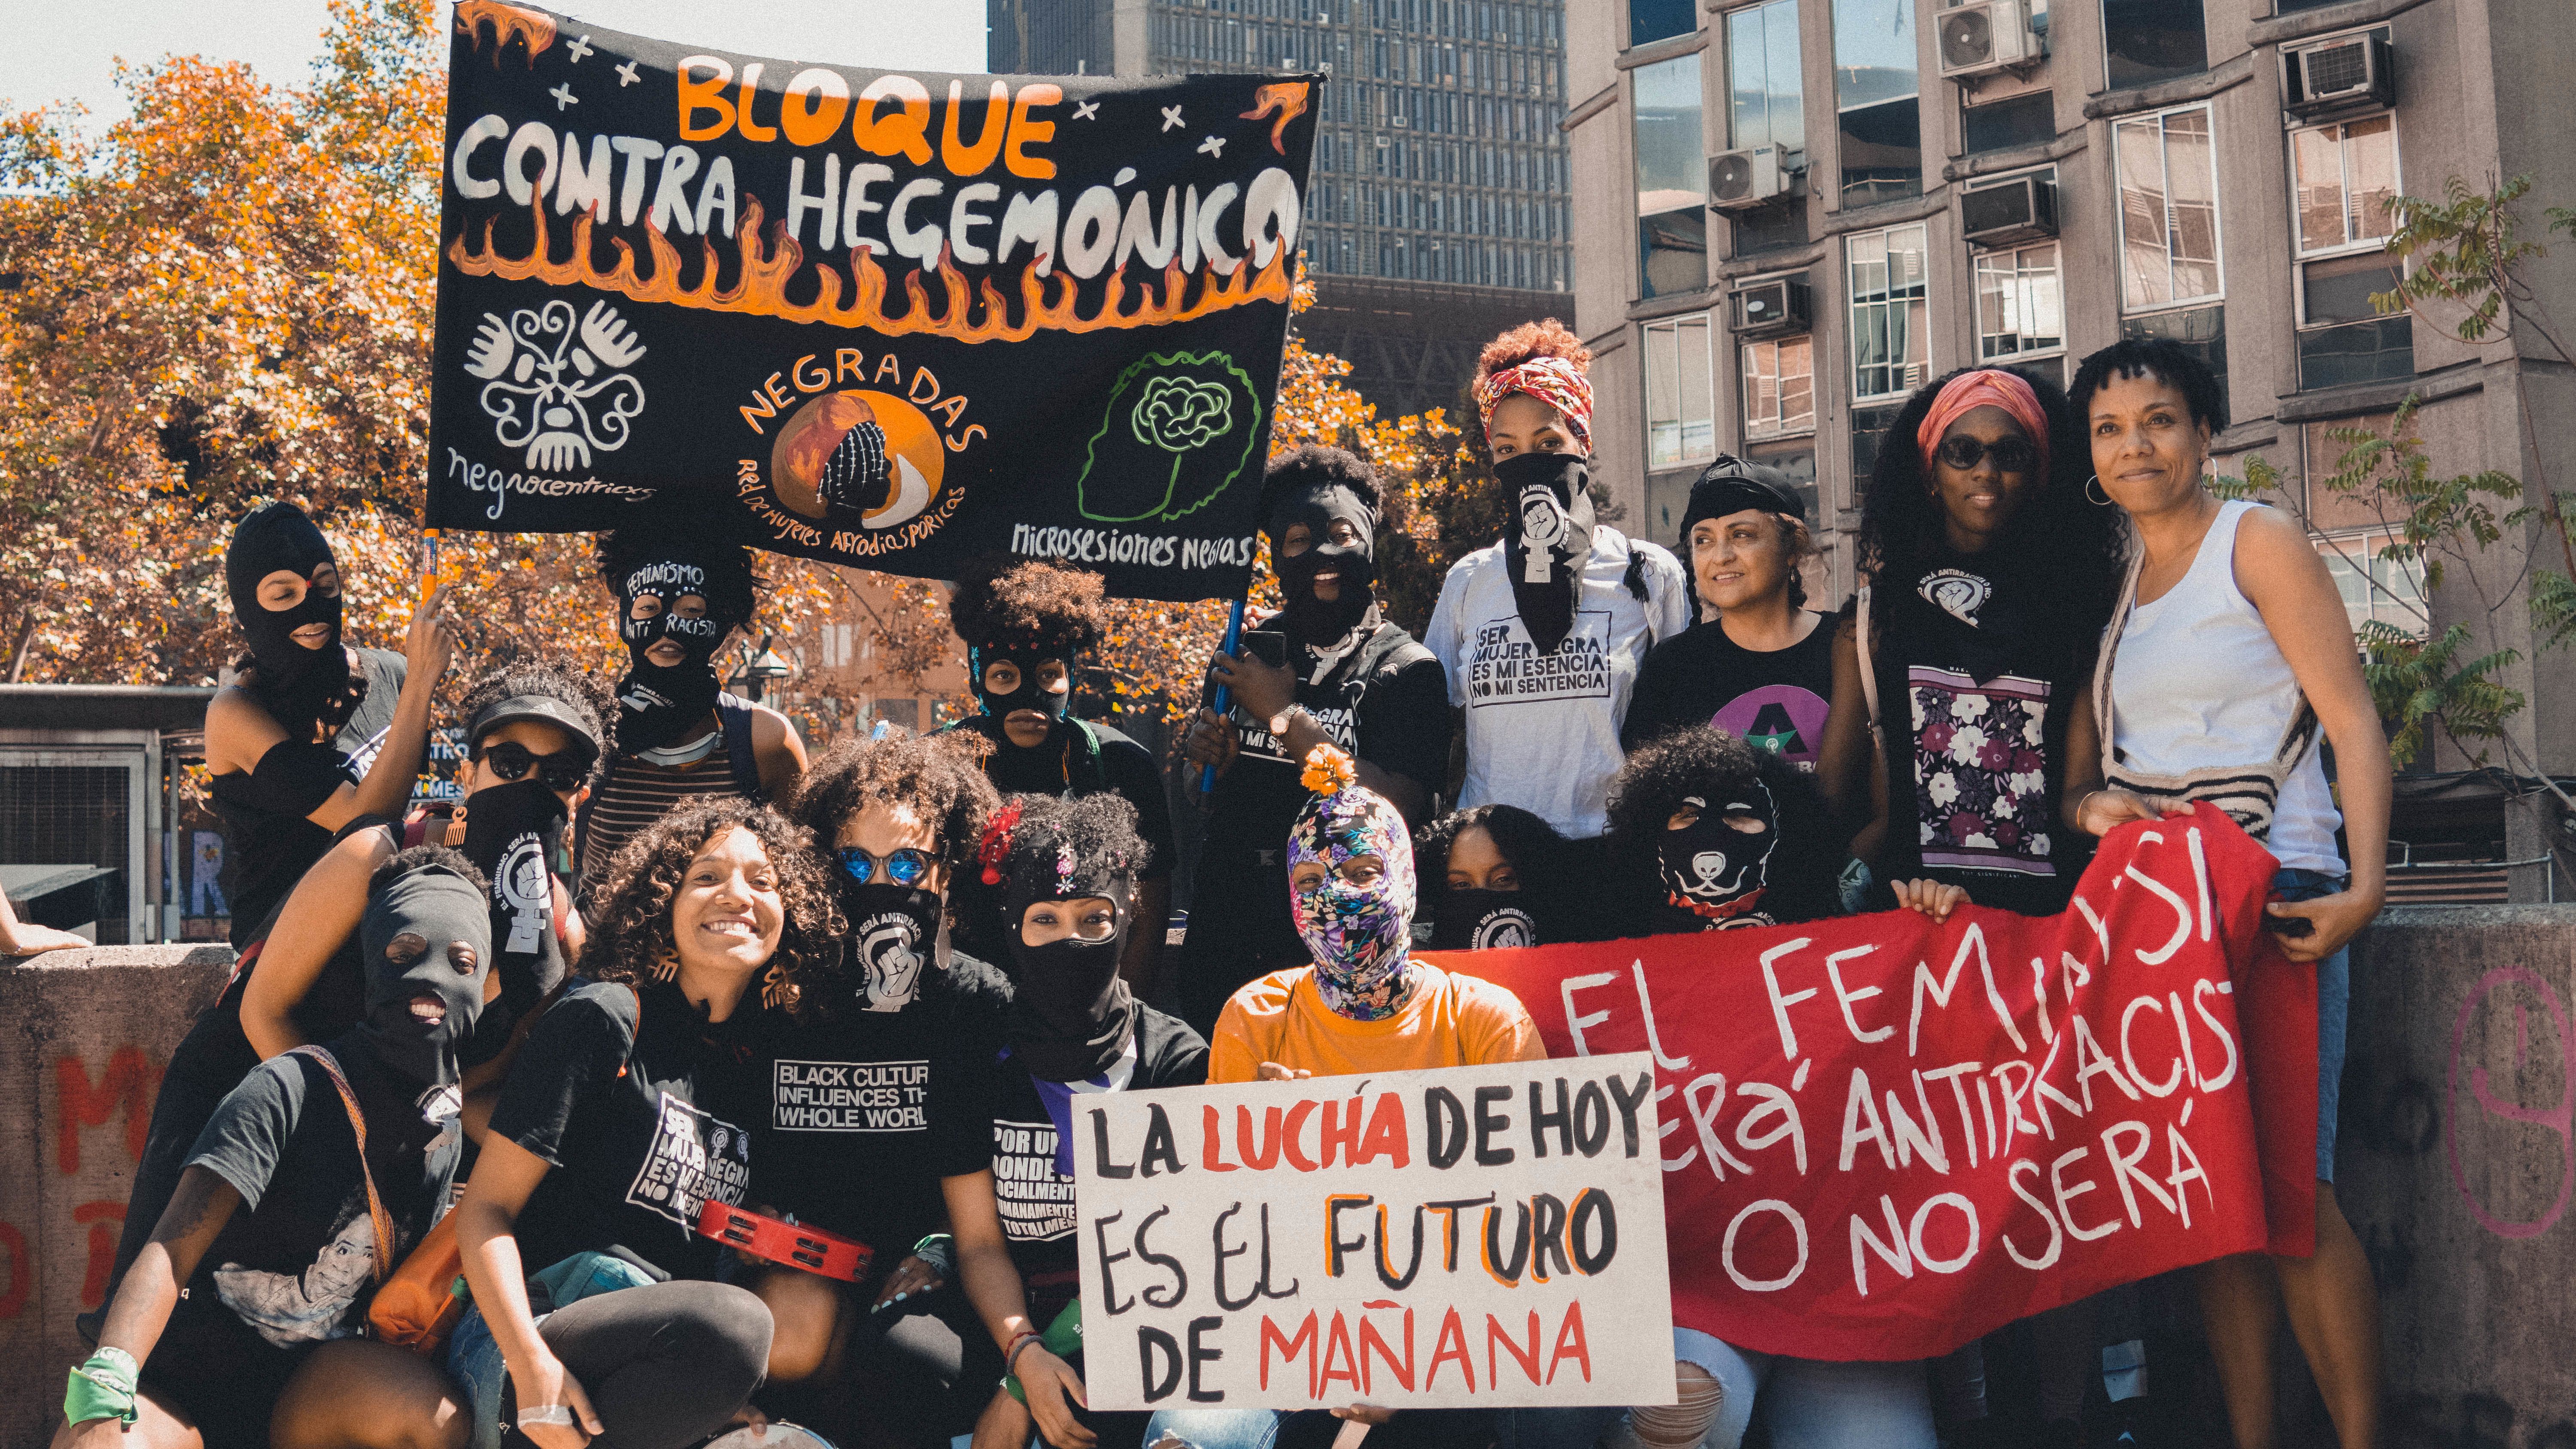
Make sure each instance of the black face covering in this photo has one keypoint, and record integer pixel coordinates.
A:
(894, 939)
(1713, 870)
(1475, 920)
(513, 834)
(298, 685)
(444, 916)
(1028, 654)
(1546, 540)
(658, 705)
(1312, 620)
(1070, 1010)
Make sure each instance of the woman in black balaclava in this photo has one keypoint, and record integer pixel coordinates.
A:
(312, 733)
(1328, 668)
(317, 1173)
(1025, 627)
(1067, 870)
(1708, 833)
(680, 737)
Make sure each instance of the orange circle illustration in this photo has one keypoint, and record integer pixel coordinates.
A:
(915, 459)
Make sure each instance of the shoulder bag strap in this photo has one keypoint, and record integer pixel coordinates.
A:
(1868, 668)
(383, 1220)
(2102, 691)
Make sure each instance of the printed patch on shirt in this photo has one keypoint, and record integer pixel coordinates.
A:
(317, 1304)
(850, 1096)
(1504, 667)
(1340, 723)
(696, 1156)
(1036, 1205)
(1781, 718)
(1980, 770)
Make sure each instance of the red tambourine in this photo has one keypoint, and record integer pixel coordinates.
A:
(799, 1245)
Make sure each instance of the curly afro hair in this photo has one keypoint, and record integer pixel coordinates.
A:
(1548, 338)
(630, 909)
(2161, 358)
(1704, 760)
(1096, 832)
(1536, 851)
(1315, 466)
(939, 777)
(427, 857)
(733, 589)
(586, 695)
(2078, 549)
(998, 600)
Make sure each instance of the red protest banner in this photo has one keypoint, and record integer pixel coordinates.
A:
(1884, 1137)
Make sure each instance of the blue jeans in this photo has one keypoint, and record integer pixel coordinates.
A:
(1809, 1403)
(2334, 1005)
(1259, 1428)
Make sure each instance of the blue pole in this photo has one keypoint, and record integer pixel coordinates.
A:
(1224, 696)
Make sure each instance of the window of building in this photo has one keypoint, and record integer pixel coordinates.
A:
(2021, 309)
(1681, 394)
(1891, 345)
(2201, 330)
(2344, 175)
(1766, 103)
(1868, 429)
(2023, 120)
(2146, 41)
(1875, 99)
(1798, 462)
(2374, 589)
(1672, 178)
(2168, 210)
(1652, 20)
(1779, 387)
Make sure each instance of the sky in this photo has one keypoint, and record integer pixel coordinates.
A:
(63, 52)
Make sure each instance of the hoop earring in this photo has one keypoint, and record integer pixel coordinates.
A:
(2093, 492)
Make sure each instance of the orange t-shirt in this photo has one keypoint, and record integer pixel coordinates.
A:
(1452, 1021)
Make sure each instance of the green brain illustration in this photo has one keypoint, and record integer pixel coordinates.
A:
(1179, 428)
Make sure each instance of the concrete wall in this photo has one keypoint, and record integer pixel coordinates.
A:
(84, 1036)
(2458, 1162)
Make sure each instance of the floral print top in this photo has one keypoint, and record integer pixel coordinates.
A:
(1980, 770)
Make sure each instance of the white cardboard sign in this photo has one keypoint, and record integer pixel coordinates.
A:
(1469, 1237)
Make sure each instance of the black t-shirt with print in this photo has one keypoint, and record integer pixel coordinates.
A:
(861, 1113)
(296, 1263)
(1775, 698)
(1036, 1201)
(638, 1102)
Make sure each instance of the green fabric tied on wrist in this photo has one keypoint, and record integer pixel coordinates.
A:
(102, 1388)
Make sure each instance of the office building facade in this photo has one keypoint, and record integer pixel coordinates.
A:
(1791, 213)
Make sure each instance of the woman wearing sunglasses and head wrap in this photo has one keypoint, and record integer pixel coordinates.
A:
(1987, 578)
(534, 739)
(1541, 633)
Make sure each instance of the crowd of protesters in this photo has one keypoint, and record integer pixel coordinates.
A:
(592, 1041)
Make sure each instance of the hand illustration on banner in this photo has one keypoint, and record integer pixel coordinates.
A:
(1198, 410)
(560, 397)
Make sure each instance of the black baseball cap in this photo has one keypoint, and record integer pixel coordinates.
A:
(541, 707)
(1731, 485)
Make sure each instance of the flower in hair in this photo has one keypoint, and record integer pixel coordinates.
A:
(996, 844)
(1328, 771)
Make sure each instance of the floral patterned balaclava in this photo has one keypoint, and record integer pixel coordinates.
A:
(1359, 936)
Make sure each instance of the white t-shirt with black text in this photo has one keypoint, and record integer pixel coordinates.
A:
(1543, 732)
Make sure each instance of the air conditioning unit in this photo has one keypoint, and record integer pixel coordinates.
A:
(1980, 39)
(1740, 180)
(2347, 73)
(2023, 209)
(1771, 308)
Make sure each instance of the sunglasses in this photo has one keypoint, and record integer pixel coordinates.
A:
(562, 771)
(2011, 455)
(903, 867)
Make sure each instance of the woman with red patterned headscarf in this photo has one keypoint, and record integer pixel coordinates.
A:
(1987, 577)
(1541, 633)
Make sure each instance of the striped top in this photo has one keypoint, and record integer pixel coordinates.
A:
(636, 792)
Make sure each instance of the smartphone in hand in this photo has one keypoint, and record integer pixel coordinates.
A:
(1267, 645)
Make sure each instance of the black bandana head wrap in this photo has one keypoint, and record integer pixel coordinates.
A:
(1071, 1014)
(1546, 540)
(297, 685)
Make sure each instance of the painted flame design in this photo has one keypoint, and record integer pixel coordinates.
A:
(1288, 98)
(1046, 303)
(507, 20)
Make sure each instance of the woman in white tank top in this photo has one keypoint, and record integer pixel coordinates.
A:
(2229, 653)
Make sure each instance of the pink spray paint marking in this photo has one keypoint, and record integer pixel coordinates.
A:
(2560, 1118)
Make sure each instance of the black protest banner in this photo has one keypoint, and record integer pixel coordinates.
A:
(882, 319)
